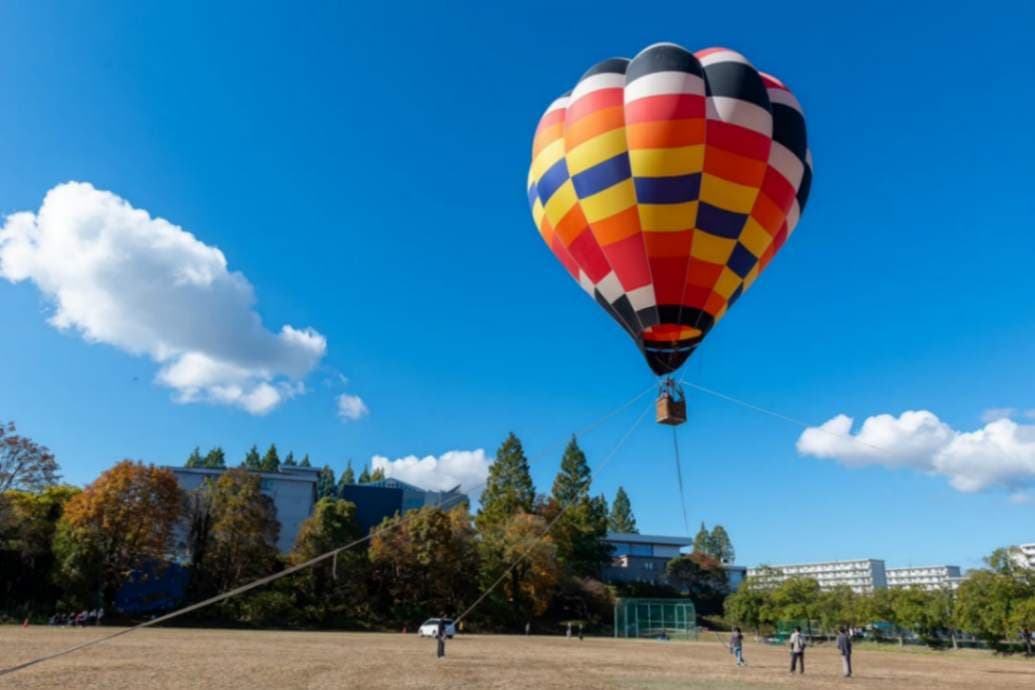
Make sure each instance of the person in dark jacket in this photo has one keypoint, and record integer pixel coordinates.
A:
(737, 646)
(844, 645)
(440, 635)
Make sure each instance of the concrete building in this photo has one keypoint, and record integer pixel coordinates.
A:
(930, 577)
(641, 557)
(293, 491)
(863, 575)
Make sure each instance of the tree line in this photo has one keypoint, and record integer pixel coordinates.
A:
(65, 548)
(993, 604)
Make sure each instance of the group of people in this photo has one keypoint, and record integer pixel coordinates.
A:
(797, 648)
(80, 619)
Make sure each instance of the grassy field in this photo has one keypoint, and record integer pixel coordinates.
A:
(234, 659)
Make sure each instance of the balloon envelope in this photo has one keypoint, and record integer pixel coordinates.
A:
(665, 185)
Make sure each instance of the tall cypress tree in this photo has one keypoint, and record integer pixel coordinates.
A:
(377, 475)
(252, 461)
(289, 460)
(270, 461)
(364, 476)
(215, 459)
(573, 479)
(325, 485)
(722, 545)
(194, 459)
(305, 461)
(703, 541)
(622, 518)
(347, 477)
(509, 488)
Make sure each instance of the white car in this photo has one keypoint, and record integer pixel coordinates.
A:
(429, 628)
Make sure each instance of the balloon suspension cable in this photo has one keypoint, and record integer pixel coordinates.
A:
(679, 479)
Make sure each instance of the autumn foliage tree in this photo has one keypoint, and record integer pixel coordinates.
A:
(24, 464)
(121, 522)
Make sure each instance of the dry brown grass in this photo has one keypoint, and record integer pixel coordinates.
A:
(246, 659)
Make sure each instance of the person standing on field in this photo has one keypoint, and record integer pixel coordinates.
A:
(568, 633)
(440, 636)
(844, 645)
(797, 650)
(737, 646)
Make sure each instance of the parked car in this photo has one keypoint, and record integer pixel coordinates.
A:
(429, 628)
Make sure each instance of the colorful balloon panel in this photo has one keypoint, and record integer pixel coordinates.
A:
(665, 184)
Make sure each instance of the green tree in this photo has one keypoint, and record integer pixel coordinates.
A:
(508, 488)
(364, 476)
(425, 564)
(252, 461)
(581, 529)
(378, 474)
(121, 522)
(746, 606)
(703, 541)
(984, 605)
(622, 518)
(703, 579)
(194, 459)
(1022, 614)
(332, 592)
(305, 461)
(349, 475)
(325, 485)
(721, 545)
(270, 461)
(573, 480)
(26, 546)
(795, 599)
(912, 611)
(215, 459)
(289, 460)
(835, 607)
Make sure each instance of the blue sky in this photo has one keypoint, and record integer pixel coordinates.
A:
(364, 169)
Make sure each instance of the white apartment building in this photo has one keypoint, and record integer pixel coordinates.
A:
(863, 575)
(930, 577)
(1026, 555)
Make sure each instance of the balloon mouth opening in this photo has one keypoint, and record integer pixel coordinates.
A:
(671, 335)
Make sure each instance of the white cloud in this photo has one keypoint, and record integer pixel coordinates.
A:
(116, 275)
(999, 454)
(351, 407)
(994, 413)
(468, 468)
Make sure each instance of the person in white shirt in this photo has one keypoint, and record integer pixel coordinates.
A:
(797, 651)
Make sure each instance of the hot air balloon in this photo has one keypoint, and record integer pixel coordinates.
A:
(665, 185)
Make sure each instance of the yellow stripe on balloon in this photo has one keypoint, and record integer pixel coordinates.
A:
(727, 195)
(561, 202)
(609, 202)
(668, 217)
(710, 248)
(680, 160)
(596, 150)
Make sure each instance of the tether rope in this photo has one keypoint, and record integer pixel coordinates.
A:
(551, 524)
(679, 479)
(278, 575)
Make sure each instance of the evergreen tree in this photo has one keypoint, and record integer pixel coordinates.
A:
(622, 518)
(252, 461)
(270, 461)
(305, 461)
(364, 476)
(582, 528)
(325, 485)
(194, 459)
(722, 545)
(377, 475)
(508, 489)
(215, 459)
(289, 460)
(573, 479)
(702, 541)
(347, 477)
